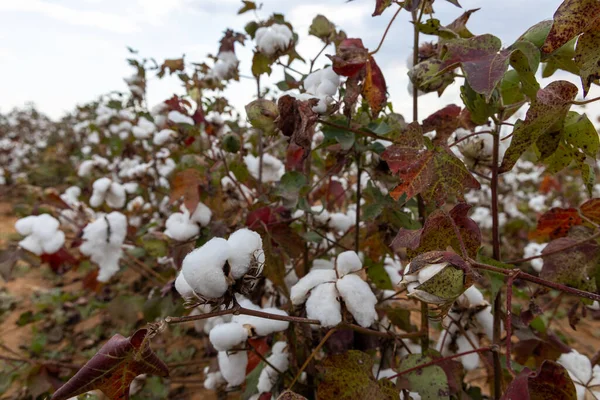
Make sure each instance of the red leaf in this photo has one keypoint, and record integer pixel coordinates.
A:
(550, 382)
(186, 184)
(591, 209)
(556, 223)
(374, 87)
(114, 367)
(260, 346)
(350, 58)
(61, 261)
(444, 122)
(294, 159)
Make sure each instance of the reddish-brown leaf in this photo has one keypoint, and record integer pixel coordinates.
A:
(60, 261)
(444, 122)
(550, 382)
(374, 87)
(297, 121)
(572, 18)
(261, 347)
(556, 223)
(591, 210)
(114, 367)
(294, 158)
(186, 184)
(438, 233)
(435, 173)
(350, 58)
(548, 184)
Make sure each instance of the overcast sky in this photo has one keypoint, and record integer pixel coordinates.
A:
(58, 53)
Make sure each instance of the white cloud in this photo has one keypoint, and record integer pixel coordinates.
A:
(97, 19)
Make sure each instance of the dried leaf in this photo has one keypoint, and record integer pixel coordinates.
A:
(186, 184)
(591, 209)
(297, 121)
(374, 87)
(556, 223)
(550, 382)
(350, 58)
(114, 367)
(572, 18)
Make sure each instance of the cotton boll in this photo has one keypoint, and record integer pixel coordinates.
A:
(202, 214)
(179, 118)
(277, 362)
(273, 168)
(348, 262)
(322, 264)
(163, 136)
(535, 249)
(359, 299)
(245, 245)
(227, 336)
(485, 319)
(233, 367)
(271, 39)
(102, 241)
(341, 222)
(203, 268)
(469, 361)
(263, 326)
(474, 296)
(428, 272)
(43, 236)
(324, 306)
(144, 129)
(182, 287)
(179, 227)
(213, 379)
(299, 291)
(115, 197)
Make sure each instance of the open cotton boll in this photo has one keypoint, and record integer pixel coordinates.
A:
(144, 129)
(585, 376)
(182, 287)
(203, 268)
(105, 190)
(202, 214)
(71, 195)
(102, 241)
(245, 245)
(263, 326)
(299, 291)
(323, 305)
(473, 296)
(485, 319)
(428, 272)
(277, 362)
(233, 367)
(226, 63)
(179, 118)
(322, 82)
(213, 379)
(322, 264)
(227, 336)
(273, 168)
(179, 227)
(163, 136)
(348, 262)
(359, 299)
(270, 39)
(341, 222)
(535, 249)
(463, 344)
(43, 236)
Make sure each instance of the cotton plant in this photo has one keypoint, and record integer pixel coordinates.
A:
(470, 317)
(273, 39)
(183, 226)
(208, 272)
(102, 242)
(585, 376)
(321, 85)
(272, 168)
(105, 190)
(320, 289)
(42, 234)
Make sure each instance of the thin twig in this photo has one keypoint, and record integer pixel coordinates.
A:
(386, 31)
(583, 102)
(357, 131)
(312, 355)
(468, 137)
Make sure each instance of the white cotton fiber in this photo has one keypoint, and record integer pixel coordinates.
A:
(348, 262)
(163, 136)
(227, 336)
(245, 245)
(179, 118)
(233, 367)
(277, 362)
(144, 129)
(273, 38)
(429, 271)
(203, 268)
(102, 241)
(202, 214)
(179, 227)
(43, 236)
(262, 326)
(182, 287)
(324, 306)
(359, 299)
(273, 168)
(299, 291)
(105, 190)
(213, 379)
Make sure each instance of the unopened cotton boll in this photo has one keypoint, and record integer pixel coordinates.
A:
(245, 246)
(359, 299)
(233, 366)
(271, 39)
(324, 306)
(299, 291)
(42, 234)
(348, 262)
(203, 268)
(227, 336)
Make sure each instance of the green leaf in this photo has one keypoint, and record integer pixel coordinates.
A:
(587, 58)
(480, 109)
(549, 110)
(379, 276)
(322, 28)
(252, 381)
(525, 59)
(261, 64)
(589, 178)
(429, 27)
(248, 6)
(430, 382)
(342, 136)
